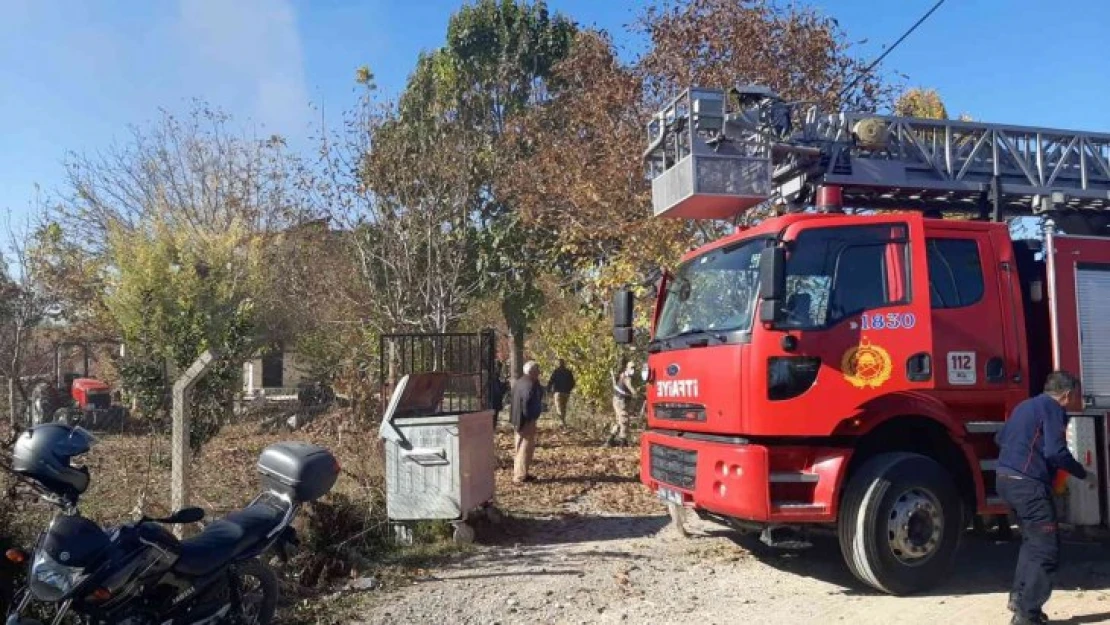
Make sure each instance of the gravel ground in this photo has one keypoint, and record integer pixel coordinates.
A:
(638, 570)
(587, 544)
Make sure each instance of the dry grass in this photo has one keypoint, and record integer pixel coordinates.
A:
(346, 534)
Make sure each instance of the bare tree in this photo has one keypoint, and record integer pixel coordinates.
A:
(403, 199)
(194, 173)
(23, 305)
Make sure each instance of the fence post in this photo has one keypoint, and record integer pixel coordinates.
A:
(182, 398)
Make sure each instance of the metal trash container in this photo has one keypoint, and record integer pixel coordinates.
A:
(438, 466)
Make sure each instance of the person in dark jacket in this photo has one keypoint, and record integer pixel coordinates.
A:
(524, 412)
(497, 388)
(561, 384)
(1033, 446)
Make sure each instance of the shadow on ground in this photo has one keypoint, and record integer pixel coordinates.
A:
(982, 566)
(569, 528)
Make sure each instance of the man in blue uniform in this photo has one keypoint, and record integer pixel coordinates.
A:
(1033, 447)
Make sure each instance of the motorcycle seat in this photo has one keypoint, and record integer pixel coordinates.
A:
(225, 539)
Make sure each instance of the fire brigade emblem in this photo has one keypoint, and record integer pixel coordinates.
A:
(866, 365)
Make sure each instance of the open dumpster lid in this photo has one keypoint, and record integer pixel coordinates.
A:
(416, 394)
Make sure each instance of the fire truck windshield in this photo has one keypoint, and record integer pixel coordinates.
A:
(714, 292)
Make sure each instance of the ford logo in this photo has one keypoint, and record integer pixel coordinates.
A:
(672, 370)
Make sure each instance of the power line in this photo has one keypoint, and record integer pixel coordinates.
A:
(889, 50)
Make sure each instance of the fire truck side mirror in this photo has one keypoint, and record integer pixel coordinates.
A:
(772, 283)
(622, 316)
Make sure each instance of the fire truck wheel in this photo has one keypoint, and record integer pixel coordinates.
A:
(900, 523)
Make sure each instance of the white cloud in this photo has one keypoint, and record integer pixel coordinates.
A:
(249, 53)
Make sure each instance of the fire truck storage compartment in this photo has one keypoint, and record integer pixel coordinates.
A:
(1092, 290)
(1083, 503)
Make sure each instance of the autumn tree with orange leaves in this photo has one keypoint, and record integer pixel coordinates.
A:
(582, 177)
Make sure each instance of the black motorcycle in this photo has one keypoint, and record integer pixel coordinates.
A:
(140, 573)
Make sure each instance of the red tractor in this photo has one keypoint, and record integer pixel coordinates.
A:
(74, 396)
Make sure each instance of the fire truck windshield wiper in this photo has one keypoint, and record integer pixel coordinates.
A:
(660, 344)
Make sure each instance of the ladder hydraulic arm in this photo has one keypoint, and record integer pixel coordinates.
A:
(715, 154)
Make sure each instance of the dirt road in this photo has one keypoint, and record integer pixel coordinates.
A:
(609, 555)
(635, 570)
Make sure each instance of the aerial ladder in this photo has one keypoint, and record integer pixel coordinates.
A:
(723, 154)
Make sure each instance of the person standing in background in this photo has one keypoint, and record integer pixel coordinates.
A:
(623, 392)
(497, 388)
(561, 384)
(525, 410)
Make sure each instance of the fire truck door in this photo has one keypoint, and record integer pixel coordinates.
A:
(853, 303)
(974, 358)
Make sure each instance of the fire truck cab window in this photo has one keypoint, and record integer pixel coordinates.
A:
(955, 272)
(836, 273)
(714, 292)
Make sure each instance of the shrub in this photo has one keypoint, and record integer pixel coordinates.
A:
(579, 338)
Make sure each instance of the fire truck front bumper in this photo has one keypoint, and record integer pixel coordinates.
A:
(730, 477)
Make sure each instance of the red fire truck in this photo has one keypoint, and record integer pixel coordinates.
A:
(844, 364)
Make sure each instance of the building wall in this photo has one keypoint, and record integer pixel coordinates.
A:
(293, 373)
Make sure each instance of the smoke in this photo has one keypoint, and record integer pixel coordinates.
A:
(248, 52)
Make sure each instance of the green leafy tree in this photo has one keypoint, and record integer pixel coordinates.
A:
(158, 242)
(173, 295)
(495, 64)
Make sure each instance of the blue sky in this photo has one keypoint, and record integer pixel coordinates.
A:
(73, 75)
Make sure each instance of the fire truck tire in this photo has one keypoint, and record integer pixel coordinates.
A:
(900, 523)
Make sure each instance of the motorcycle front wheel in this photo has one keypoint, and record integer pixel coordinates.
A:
(258, 593)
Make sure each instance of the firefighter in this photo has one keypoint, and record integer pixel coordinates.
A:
(623, 393)
(1033, 446)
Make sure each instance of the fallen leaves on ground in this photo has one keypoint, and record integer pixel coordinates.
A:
(574, 474)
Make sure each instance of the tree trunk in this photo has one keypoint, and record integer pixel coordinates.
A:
(518, 352)
(11, 403)
(518, 328)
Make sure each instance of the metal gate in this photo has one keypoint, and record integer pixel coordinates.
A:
(469, 360)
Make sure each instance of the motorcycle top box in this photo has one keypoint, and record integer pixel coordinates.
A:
(300, 471)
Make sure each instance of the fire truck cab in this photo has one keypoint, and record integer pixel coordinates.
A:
(827, 370)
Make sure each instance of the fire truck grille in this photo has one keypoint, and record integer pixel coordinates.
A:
(680, 412)
(676, 467)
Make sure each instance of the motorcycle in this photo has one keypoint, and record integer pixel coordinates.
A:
(139, 573)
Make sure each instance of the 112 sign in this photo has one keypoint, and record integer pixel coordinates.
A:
(961, 368)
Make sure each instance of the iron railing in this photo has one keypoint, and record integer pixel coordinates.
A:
(468, 359)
